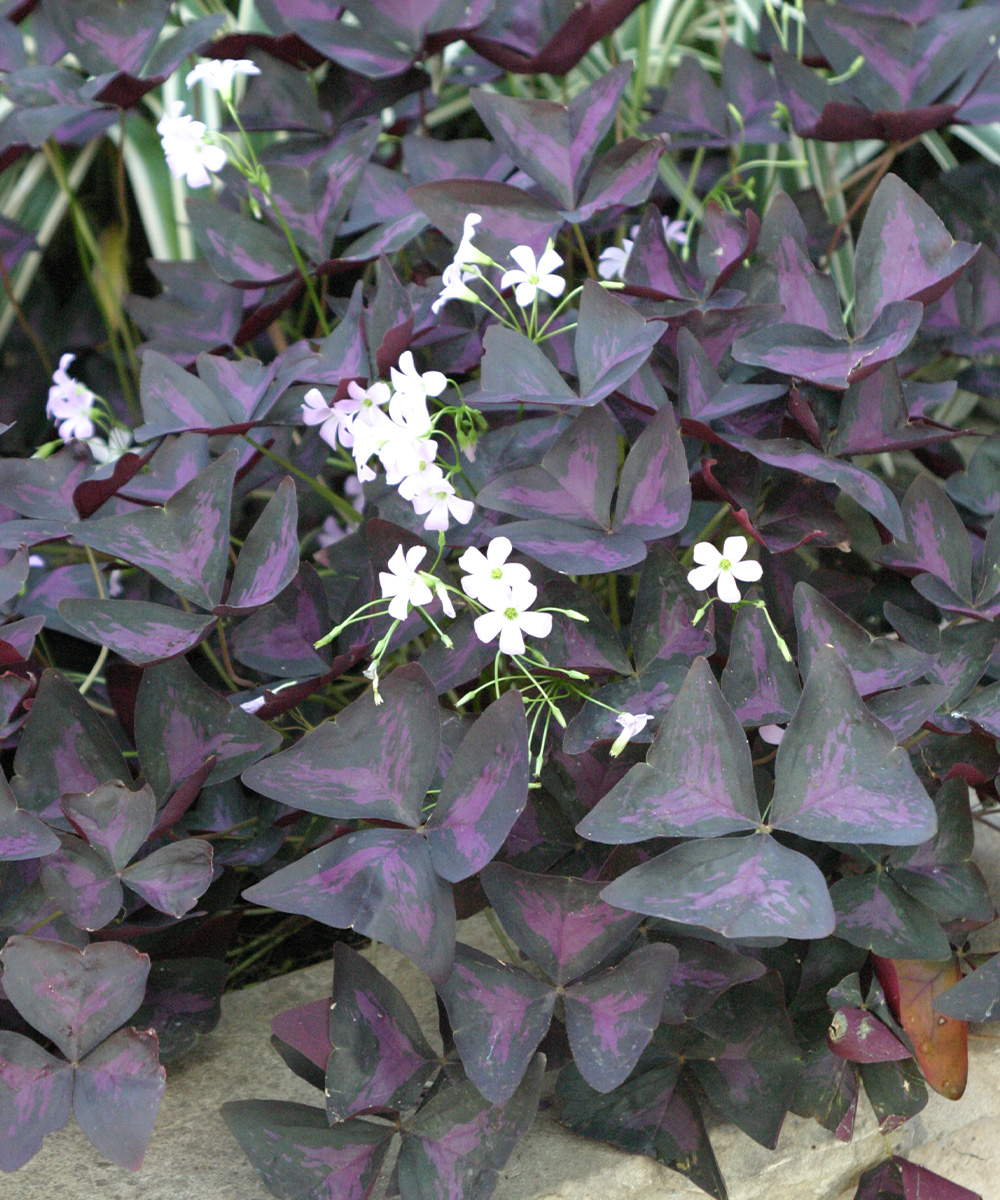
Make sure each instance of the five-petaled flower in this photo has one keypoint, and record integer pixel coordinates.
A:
(509, 616)
(726, 566)
(410, 382)
(454, 287)
(189, 153)
(632, 724)
(220, 73)
(434, 497)
(70, 403)
(490, 576)
(534, 276)
(118, 443)
(403, 585)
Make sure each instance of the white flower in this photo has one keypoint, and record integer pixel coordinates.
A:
(533, 275)
(76, 425)
(631, 723)
(36, 560)
(490, 576)
(67, 396)
(371, 431)
(454, 288)
(410, 382)
(726, 567)
(405, 458)
(466, 252)
(772, 734)
(330, 533)
(220, 73)
(435, 497)
(119, 441)
(612, 263)
(675, 231)
(511, 620)
(254, 705)
(402, 584)
(316, 410)
(188, 151)
(115, 586)
(356, 493)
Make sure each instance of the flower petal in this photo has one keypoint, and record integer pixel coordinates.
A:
(749, 571)
(705, 552)
(524, 256)
(536, 624)
(728, 591)
(702, 578)
(511, 641)
(488, 625)
(735, 548)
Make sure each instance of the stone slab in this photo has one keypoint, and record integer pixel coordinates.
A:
(193, 1157)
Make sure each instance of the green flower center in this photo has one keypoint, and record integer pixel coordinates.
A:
(725, 564)
(496, 573)
(510, 614)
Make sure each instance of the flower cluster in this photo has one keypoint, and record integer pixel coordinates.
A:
(614, 259)
(394, 425)
(70, 403)
(506, 593)
(190, 151)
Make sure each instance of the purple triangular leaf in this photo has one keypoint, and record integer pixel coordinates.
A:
(22, 834)
(874, 912)
(905, 710)
(515, 370)
(759, 683)
(875, 664)
(269, 558)
(976, 997)
(499, 1014)
(380, 882)
(510, 217)
(697, 779)
(298, 1155)
(239, 249)
(80, 882)
(612, 341)
(36, 1092)
(116, 1094)
(921, 1184)
(703, 395)
(379, 1058)
(372, 762)
(484, 793)
(839, 775)
(458, 1143)
(140, 632)
(113, 819)
(560, 923)
(175, 401)
(935, 540)
(860, 1036)
(611, 1017)
(172, 878)
(874, 419)
(654, 494)
(740, 887)
(184, 544)
(180, 721)
(75, 997)
(182, 1002)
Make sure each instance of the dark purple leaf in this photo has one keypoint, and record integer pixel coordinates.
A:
(105, 38)
(238, 249)
(380, 882)
(75, 997)
(704, 972)
(875, 664)
(553, 143)
(510, 217)
(498, 1014)
(389, 321)
(80, 882)
(457, 1144)
(921, 1184)
(592, 646)
(611, 1017)
(302, 1037)
(468, 656)
(875, 913)
(978, 487)
(612, 341)
(740, 887)
(860, 1036)
(559, 922)
(175, 462)
(22, 834)
(113, 819)
(697, 779)
(839, 775)
(174, 400)
(802, 352)
(651, 690)
(935, 540)
(905, 710)
(13, 573)
(140, 632)
(36, 1092)
(654, 495)
(960, 653)
(976, 997)
(516, 370)
(64, 747)
(759, 683)
(703, 395)
(116, 1094)
(874, 418)
(574, 549)
(866, 489)
(379, 1057)
(172, 878)
(297, 1153)
(269, 558)
(484, 793)
(624, 175)
(182, 1003)
(896, 1091)
(42, 487)
(180, 721)
(279, 638)
(372, 762)
(184, 544)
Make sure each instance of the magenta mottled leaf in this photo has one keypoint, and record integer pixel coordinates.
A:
(182, 1002)
(379, 1057)
(298, 1154)
(184, 544)
(269, 558)
(704, 972)
(874, 912)
(484, 793)
(860, 1036)
(560, 923)
(172, 878)
(740, 887)
(22, 834)
(974, 998)
(862, 486)
(498, 1014)
(875, 663)
(180, 721)
(510, 217)
(839, 775)
(141, 632)
(654, 494)
(372, 761)
(79, 881)
(64, 747)
(611, 1017)
(104, 37)
(239, 249)
(457, 1144)
(75, 997)
(380, 882)
(174, 400)
(575, 549)
(301, 1035)
(36, 1092)
(935, 540)
(904, 710)
(612, 341)
(759, 683)
(555, 144)
(874, 418)
(116, 1094)
(703, 395)
(697, 779)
